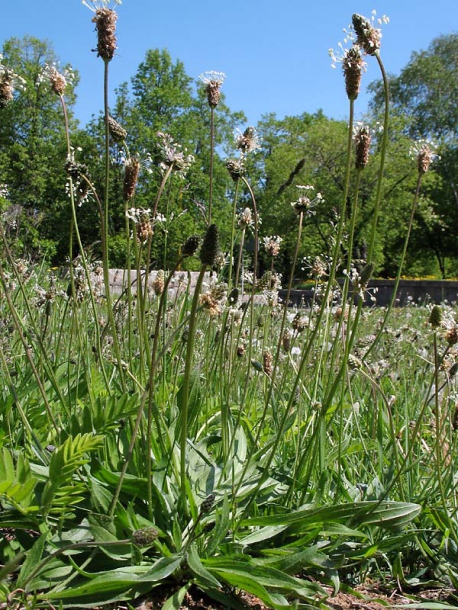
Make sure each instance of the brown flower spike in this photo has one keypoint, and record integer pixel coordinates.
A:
(213, 81)
(362, 139)
(367, 36)
(105, 23)
(131, 171)
(353, 66)
(6, 88)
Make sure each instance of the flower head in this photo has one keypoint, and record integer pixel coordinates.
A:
(424, 152)
(305, 204)
(248, 141)
(367, 35)
(213, 81)
(9, 81)
(105, 23)
(96, 5)
(131, 171)
(272, 244)
(362, 138)
(117, 131)
(235, 168)
(58, 79)
(245, 218)
(353, 67)
(172, 155)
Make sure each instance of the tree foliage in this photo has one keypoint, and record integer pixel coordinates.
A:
(33, 145)
(426, 90)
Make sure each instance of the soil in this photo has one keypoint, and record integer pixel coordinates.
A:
(370, 597)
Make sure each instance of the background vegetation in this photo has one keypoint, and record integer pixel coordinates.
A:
(304, 149)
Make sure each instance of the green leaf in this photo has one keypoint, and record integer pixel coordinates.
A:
(174, 602)
(258, 580)
(382, 514)
(202, 574)
(221, 527)
(32, 560)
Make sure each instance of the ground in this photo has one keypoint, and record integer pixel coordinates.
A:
(370, 597)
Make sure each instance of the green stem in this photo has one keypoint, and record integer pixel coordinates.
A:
(212, 154)
(105, 233)
(378, 195)
(186, 387)
(231, 250)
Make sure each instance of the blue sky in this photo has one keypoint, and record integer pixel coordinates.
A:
(275, 54)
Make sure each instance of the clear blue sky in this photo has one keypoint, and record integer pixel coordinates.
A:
(275, 54)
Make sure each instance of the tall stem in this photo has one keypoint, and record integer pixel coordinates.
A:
(186, 387)
(212, 153)
(105, 232)
(378, 196)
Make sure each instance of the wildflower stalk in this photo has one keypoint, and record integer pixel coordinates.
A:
(212, 154)
(231, 250)
(279, 436)
(239, 260)
(147, 396)
(184, 415)
(400, 267)
(305, 456)
(384, 144)
(105, 232)
(74, 227)
(18, 324)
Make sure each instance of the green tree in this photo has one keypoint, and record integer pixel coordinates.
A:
(162, 97)
(33, 147)
(311, 150)
(426, 91)
(424, 96)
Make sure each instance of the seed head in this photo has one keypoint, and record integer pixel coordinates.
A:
(435, 317)
(267, 362)
(191, 245)
(272, 244)
(131, 171)
(207, 504)
(158, 283)
(213, 81)
(245, 218)
(6, 92)
(210, 246)
(248, 141)
(235, 168)
(300, 323)
(117, 131)
(286, 340)
(9, 80)
(57, 80)
(145, 536)
(424, 159)
(105, 24)
(451, 336)
(367, 36)
(306, 204)
(353, 66)
(362, 138)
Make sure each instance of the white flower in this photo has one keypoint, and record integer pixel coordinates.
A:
(272, 244)
(211, 77)
(248, 141)
(97, 5)
(306, 204)
(57, 78)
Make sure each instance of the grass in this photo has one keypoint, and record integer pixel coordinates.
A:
(193, 437)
